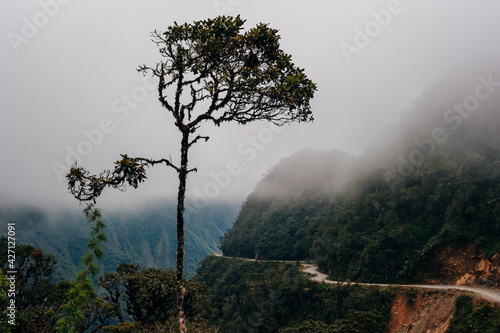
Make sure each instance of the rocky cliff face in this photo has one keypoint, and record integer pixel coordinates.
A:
(467, 266)
(440, 311)
(485, 273)
(429, 311)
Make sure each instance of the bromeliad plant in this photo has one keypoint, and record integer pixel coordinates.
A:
(210, 71)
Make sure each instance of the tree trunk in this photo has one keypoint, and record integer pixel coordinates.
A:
(183, 172)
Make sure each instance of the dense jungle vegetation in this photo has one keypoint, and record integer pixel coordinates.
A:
(226, 295)
(277, 297)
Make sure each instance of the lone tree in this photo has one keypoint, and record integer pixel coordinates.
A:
(210, 71)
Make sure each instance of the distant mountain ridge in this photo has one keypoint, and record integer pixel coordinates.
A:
(145, 236)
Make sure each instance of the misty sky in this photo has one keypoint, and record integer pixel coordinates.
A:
(69, 86)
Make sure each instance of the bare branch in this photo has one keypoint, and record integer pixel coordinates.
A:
(199, 137)
(153, 162)
(189, 107)
(161, 87)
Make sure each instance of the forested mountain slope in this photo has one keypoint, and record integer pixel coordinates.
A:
(431, 182)
(143, 236)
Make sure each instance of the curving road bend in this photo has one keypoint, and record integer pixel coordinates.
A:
(492, 295)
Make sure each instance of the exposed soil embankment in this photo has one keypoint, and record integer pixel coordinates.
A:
(463, 267)
(429, 311)
(425, 311)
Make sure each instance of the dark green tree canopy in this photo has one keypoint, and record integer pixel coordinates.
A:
(242, 76)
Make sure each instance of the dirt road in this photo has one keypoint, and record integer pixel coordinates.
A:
(492, 295)
(489, 294)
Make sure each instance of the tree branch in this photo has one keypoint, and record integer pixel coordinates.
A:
(192, 170)
(161, 87)
(86, 187)
(153, 162)
(199, 137)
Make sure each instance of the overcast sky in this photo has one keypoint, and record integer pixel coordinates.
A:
(70, 89)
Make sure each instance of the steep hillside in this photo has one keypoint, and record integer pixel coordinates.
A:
(259, 296)
(277, 297)
(146, 237)
(431, 182)
(276, 219)
(441, 311)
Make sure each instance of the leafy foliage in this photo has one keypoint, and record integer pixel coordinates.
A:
(4, 302)
(82, 292)
(148, 295)
(244, 76)
(87, 187)
(39, 302)
(474, 318)
(170, 326)
(310, 327)
(269, 296)
(36, 298)
(411, 295)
